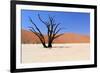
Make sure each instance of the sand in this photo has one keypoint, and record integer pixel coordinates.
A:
(28, 37)
(60, 52)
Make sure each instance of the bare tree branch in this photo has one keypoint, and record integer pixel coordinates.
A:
(52, 30)
(46, 23)
(56, 26)
(37, 34)
(58, 30)
(58, 36)
(37, 28)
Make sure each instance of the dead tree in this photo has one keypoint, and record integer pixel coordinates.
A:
(52, 30)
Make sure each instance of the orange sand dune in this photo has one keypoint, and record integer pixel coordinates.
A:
(72, 38)
(29, 37)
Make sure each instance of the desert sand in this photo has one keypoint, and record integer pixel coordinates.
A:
(60, 52)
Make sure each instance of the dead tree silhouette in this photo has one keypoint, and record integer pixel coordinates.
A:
(52, 30)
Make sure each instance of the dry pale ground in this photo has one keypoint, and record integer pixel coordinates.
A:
(60, 52)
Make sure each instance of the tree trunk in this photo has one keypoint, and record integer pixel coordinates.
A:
(44, 45)
(49, 45)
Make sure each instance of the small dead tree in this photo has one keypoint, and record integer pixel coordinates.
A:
(52, 30)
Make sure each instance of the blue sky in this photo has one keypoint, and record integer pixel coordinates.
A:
(73, 22)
